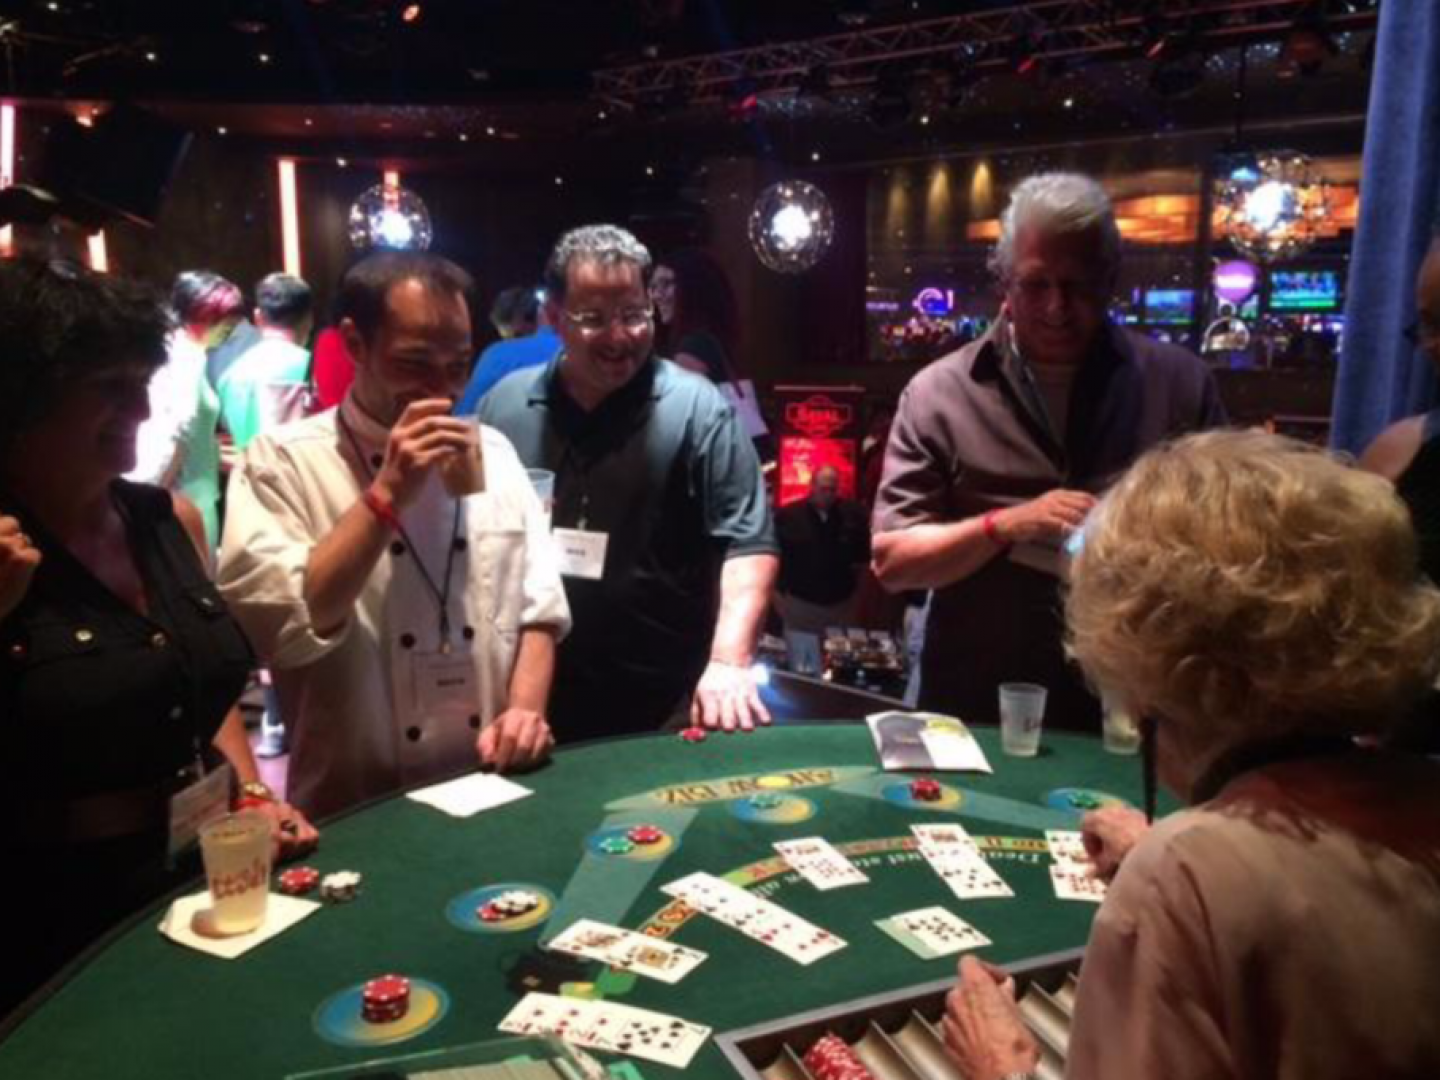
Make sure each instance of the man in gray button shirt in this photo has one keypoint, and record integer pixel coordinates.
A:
(998, 451)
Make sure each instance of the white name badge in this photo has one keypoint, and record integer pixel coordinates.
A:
(444, 684)
(195, 804)
(582, 554)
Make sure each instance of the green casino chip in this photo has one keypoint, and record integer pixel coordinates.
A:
(617, 845)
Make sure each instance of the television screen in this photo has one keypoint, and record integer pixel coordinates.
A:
(1168, 307)
(1305, 290)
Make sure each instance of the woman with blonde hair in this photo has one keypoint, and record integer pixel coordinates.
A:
(1258, 602)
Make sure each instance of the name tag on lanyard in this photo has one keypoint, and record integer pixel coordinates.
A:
(445, 684)
(198, 802)
(582, 553)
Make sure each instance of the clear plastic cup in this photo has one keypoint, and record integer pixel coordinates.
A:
(236, 851)
(463, 472)
(1022, 713)
(1120, 731)
(543, 481)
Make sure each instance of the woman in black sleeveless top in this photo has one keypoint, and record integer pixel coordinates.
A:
(119, 665)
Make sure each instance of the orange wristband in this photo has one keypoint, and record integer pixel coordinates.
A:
(987, 526)
(381, 509)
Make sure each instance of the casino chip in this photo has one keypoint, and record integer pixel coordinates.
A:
(646, 834)
(385, 999)
(508, 905)
(617, 845)
(832, 1058)
(693, 734)
(767, 800)
(925, 790)
(340, 887)
(298, 880)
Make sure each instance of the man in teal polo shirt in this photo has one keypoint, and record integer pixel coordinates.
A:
(266, 385)
(660, 512)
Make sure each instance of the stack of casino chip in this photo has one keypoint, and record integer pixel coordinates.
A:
(298, 880)
(767, 800)
(831, 1058)
(926, 790)
(508, 905)
(617, 845)
(693, 734)
(645, 834)
(385, 1000)
(340, 886)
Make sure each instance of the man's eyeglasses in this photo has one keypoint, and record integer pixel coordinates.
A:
(631, 320)
(1423, 333)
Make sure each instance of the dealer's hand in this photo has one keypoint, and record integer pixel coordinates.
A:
(18, 560)
(291, 834)
(986, 1038)
(425, 435)
(726, 697)
(1110, 834)
(1051, 517)
(516, 739)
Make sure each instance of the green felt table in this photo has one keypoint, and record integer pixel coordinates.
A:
(143, 1006)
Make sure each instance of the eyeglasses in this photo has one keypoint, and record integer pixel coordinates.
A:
(591, 323)
(1423, 333)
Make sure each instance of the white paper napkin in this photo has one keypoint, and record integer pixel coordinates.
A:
(281, 913)
(469, 795)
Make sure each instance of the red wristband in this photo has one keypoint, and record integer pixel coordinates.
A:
(987, 526)
(381, 509)
(250, 802)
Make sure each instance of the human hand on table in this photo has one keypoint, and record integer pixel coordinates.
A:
(1110, 834)
(984, 1034)
(516, 739)
(1052, 516)
(726, 697)
(291, 834)
(18, 560)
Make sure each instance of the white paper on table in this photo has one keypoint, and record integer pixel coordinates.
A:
(956, 750)
(912, 741)
(281, 913)
(468, 795)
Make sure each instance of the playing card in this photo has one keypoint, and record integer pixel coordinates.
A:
(1067, 847)
(819, 863)
(640, 953)
(768, 923)
(1076, 883)
(604, 1025)
(933, 932)
(953, 855)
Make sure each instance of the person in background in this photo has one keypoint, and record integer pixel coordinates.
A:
(228, 339)
(670, 552)
(178, 446)
(267, 385)
(120, 666)
(334, 368)
(998, 451)
(410, 632)
(516, 312)
(1258, 602)
(824, 553)
(514, 353)
(699, 324)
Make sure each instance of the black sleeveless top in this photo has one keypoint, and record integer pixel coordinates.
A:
(1419, 487)
(101, 708)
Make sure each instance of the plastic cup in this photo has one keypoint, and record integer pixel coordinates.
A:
(463, 472)
(236, 851)
(543, 481)
(1022, 712)
(1120, 732)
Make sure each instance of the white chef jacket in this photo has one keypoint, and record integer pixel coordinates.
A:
(349, 699)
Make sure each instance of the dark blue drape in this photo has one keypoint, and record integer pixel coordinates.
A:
(1382, 377)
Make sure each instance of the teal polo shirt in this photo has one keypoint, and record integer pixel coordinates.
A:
(663, 467)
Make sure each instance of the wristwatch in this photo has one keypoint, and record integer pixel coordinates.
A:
(254, 789)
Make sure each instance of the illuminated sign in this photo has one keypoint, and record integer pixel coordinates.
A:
(818, 416)
(936, 303)
(1235, 280)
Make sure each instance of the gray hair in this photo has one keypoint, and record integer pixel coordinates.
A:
(1057, 203)
(607, 245)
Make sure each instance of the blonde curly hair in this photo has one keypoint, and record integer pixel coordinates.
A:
(1255, 586)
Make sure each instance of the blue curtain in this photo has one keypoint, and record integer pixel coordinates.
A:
(1381, 377)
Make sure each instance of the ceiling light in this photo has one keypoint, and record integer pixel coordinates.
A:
(791, 226)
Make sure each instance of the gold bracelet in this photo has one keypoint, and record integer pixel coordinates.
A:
(254, 789)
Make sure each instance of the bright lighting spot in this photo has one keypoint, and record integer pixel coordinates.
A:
(464, 137)
(490, 130)
(649, 170)
(1267, 204)
(925, 119)
(152, 57)
(814, 155)
(222, 131)
(411, 13)
(394, 229)
(1069, 103)
(309, 122)
(559, 181)
(342, 162)
(791, 226)
(264, 58)
(761, 674)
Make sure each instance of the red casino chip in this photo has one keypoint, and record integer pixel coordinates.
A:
(298, 880)
(385, 999)
(925, 790)
(693, 734)
(831, 1058)
(646, 834)
(491, 912)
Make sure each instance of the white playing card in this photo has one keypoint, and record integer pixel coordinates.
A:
(933, 932)
(1067, 847)
(953, 855)
(818, 862)
(640, 953)
(1076, 883)
(766, 922)
(604, 1025)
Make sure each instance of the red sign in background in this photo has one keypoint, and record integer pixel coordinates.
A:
(819, 425)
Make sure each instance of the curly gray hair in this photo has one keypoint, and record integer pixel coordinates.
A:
(1057, 202)
(604, 244)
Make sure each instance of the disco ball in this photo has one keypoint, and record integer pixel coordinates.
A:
(389, 217)
(1275, 207)
(791, 226)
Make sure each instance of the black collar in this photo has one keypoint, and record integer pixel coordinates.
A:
(1258, 755)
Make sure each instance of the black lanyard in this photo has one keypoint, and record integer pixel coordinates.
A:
(441, 595)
